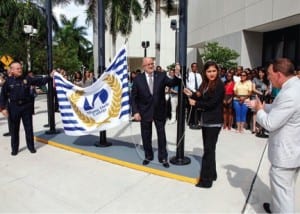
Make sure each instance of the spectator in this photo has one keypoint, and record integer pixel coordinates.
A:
(158, 68)
(3, 79)
(237, 74)
(260, 88)
(172, 93)
(242, 91)
(78, 79)
(87, 79)
(193, 81)
(227, 102)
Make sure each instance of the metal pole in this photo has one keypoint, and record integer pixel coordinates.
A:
(50, 100)
(176, 46)
(179, 159)
(145, 52)
(101, 59)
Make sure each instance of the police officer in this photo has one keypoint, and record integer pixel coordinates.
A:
(16, 101)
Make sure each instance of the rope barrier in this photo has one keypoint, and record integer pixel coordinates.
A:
(254, 178)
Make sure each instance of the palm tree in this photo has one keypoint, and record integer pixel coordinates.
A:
(71, 42)
(118, 19)
(148, 4)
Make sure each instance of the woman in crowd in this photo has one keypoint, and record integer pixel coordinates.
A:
(78, 78)
(87, 79)
(242, 91)
(227, 102)
(172, 98)
(209, 98)
(261, 88)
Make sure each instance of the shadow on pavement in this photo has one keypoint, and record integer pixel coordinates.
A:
(242, 178)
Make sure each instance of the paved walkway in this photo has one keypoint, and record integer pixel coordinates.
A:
(56, 180)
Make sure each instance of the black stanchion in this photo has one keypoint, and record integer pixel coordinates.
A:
(103, 141)
(180, 159)
(101, 60)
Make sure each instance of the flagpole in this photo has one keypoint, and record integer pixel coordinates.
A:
(101, 60)
(180, 159)
(50, 95)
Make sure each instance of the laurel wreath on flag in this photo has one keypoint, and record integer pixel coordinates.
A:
(113, 110)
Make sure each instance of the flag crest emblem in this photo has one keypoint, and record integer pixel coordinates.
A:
(103, 105)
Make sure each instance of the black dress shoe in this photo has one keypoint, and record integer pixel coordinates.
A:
(266, 207)
(164, 163)
(6, 134)
(195, 127)
(14, 153)
(146, 162)
(262, 135)
(204, 184)
(32, 150)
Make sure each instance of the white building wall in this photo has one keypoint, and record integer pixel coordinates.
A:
(230, 22)
(145, 31)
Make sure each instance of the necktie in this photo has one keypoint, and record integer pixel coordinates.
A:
(196, 84)
(150, 76)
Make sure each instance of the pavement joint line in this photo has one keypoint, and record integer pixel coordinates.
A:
(122, 193)
(119, 162)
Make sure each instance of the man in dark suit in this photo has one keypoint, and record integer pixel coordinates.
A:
(148, 105)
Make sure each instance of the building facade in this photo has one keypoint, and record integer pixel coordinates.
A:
(259, 30)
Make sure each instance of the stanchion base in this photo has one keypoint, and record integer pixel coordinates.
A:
(107, 144)
(180, 161)
(50, 132)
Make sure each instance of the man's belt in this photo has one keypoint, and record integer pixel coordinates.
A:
(20, 102)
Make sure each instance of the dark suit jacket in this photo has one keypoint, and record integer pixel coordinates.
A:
(151, 106)
(211, 105)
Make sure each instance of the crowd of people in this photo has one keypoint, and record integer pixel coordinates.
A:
(240, 85)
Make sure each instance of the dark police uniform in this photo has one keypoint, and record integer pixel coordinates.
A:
(16, 97)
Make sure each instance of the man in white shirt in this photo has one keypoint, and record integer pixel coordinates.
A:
(193, 82)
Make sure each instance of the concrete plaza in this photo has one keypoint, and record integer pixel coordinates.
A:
(55, 180)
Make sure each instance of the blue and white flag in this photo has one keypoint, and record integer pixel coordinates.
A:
(103, 105)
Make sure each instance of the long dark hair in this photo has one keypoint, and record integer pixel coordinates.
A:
(265, 77)
(210, 86)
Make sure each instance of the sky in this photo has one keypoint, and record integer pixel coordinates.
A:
(72, 11)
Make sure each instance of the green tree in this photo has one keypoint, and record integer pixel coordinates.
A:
(14, 14)
(221, 55)
(72, 49)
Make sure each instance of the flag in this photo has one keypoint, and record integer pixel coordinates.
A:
(103, 105)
